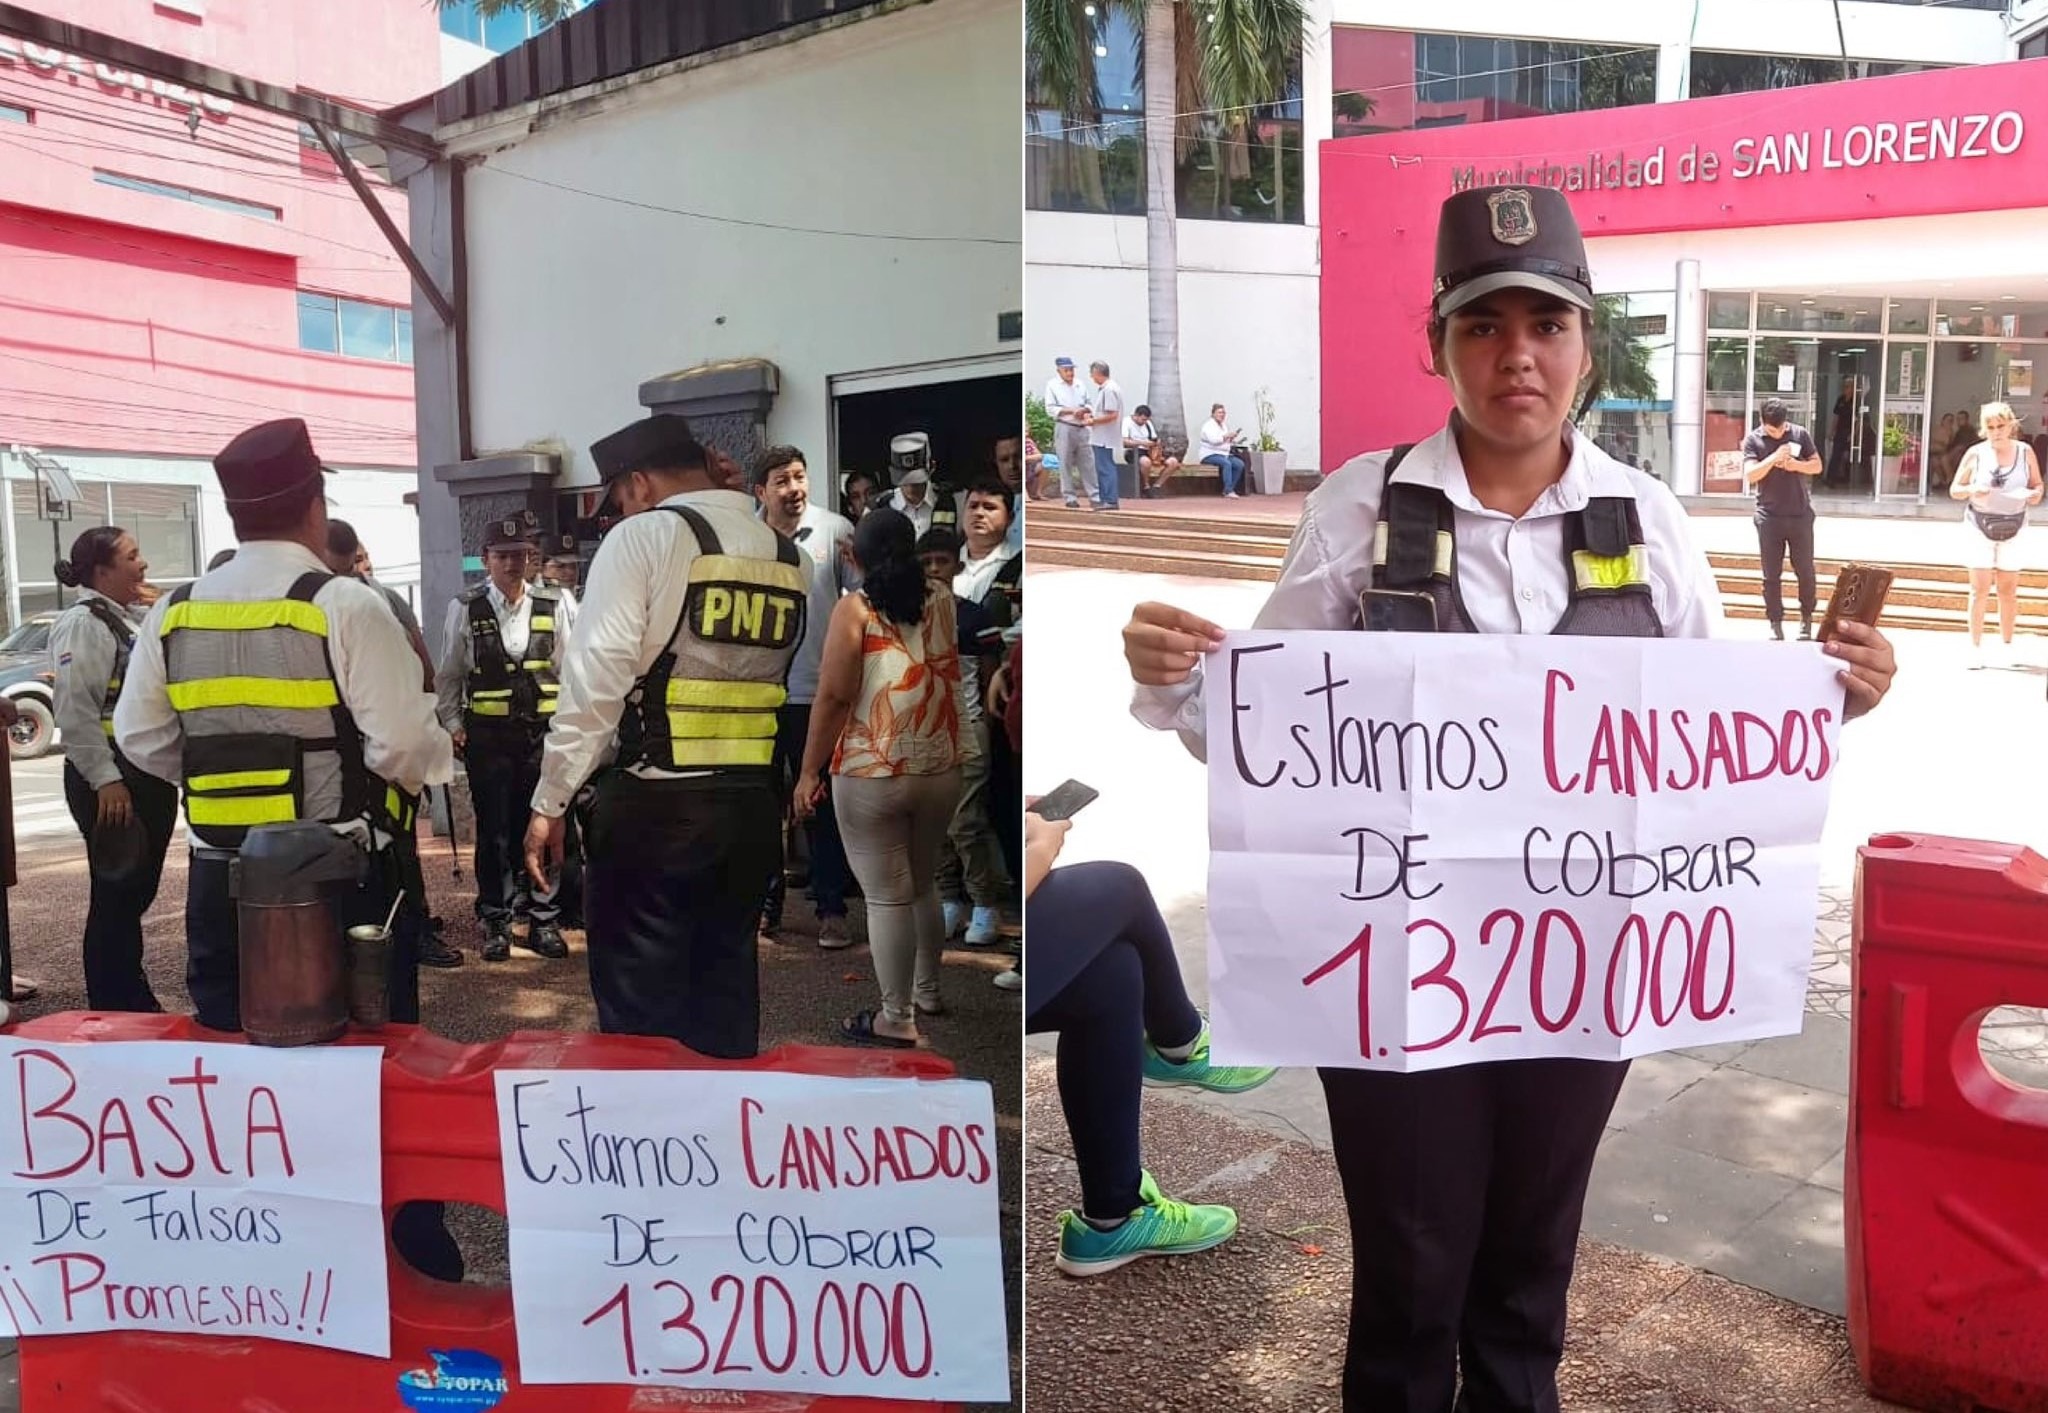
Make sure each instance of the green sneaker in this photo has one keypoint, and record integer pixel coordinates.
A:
(1161, 1227)
(1196, 1070)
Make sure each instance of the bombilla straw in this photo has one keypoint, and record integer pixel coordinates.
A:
(392, 916)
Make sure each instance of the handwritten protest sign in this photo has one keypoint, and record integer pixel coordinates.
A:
(755, 1231)
(203, 1189)
(1431, 850)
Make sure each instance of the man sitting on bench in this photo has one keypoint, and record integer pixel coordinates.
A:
(1143, 450)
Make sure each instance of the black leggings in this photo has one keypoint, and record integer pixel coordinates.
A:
(1096, 924)
(114, 976)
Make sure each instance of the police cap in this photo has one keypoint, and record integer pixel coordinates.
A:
(1509, 237)
(562, 547)
(269, 464)
(660, 442)
(512, 532)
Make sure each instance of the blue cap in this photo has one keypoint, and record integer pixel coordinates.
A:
(1063, 362)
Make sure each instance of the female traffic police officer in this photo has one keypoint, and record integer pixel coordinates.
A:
(125, 815)
(1465, 1185)
(497, 689)
(692, 611)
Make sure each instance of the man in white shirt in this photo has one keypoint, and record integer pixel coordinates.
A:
(1105, 434)
(913, 498)
(1217, 448)
(692, 611)
(781, 483)
(498, 685)
(1144, 452)
(1067, 401)
(990, 563)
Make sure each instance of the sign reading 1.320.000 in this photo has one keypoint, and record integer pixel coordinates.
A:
(1431, 850)
(750, 1230)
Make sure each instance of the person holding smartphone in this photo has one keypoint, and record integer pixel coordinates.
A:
(1104, 975)
(1464, 1186)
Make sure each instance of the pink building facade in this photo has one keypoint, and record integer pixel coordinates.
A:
(175, 267)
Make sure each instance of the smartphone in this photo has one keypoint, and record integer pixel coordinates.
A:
(1859, 596)
(1065, 801)
(1396, 611)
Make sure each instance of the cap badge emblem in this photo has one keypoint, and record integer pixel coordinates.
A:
(1514, 216)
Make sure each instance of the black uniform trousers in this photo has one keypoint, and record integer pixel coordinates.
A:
(677, 871)
(213, 974)
(504, 767)
(1465, 1188)
(1777, 536)
(114, 978)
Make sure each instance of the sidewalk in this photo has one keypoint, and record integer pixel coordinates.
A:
(1726, 1160)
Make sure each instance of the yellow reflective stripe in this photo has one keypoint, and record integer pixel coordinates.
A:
(541, 666)
(246, 617)
(107, 726)
(1617, 571)
(203, 693)
(734, 696)
(722, 752)
(239, 809)
(238, 780)
(399, 807)
(732, 725)
(490, 708)
(730, 569)
(541, 625)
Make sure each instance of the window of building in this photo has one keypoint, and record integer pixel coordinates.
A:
(1084, 144)
(1244, 162)
(502, 32)
(1991, 318)
(1635, 349)
(354, 328)
(1820, 314)
(11, 114)
(1393, 80)
(1728, 311)
(165, 521)
(1715, 72)
(2035, 46)
(186, 193)
(183, 9)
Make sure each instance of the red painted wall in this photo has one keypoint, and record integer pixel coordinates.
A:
(1380, 196)
(134, 323)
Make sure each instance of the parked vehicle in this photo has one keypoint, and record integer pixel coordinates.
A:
(28, 679)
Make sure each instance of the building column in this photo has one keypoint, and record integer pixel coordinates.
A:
(1674, 68)
(12, 569)
(1688, 382)
(727, 404)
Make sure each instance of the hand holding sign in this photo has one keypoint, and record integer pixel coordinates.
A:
(1440, 849)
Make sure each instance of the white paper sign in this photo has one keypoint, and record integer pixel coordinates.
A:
(204, 1189)
(748, 1230)
(1431, 850)
(1787, 373)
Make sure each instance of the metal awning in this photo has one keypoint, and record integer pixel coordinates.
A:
(60, 487)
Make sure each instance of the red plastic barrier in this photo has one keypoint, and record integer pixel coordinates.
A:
(1946, 1191)
(440, 1117)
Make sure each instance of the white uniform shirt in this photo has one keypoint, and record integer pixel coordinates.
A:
(976, 575)
(82, 653)
(1512, 574)
(920, 514)
(515, 630)
(374, 667)
(820, 534)
(632, 601)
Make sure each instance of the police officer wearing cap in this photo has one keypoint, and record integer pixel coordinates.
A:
(561, 567)
(498, 685)
(273, 689)
(1465, 1185)
(691, 613)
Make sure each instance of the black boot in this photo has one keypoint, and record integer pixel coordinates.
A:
(1778, 631)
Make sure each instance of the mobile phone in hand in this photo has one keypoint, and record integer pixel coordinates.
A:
(1859, 595)
(1065, 801)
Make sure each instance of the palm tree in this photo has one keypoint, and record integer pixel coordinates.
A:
(546, 12)
(1227, 57)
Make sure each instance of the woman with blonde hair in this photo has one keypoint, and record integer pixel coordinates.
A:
(1997, 479)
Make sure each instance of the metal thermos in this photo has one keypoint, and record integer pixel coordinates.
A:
(294, 990)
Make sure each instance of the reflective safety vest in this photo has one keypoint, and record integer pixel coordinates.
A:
(501, 690)
(1415, 549)
(124, 644)
(709, 701)
(267, 737)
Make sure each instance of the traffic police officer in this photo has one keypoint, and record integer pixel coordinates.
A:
(497, 685)
(691, 612)
(273, 690)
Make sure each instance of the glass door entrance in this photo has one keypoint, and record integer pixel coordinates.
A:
(1845, 417)
(1903, 452)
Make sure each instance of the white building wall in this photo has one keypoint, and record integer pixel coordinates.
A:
(1248, 293)
(574, 301)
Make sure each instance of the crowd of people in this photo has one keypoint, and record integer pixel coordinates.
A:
(1099, 444)
(638, 747)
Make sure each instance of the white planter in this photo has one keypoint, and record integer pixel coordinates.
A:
(1268, 472)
